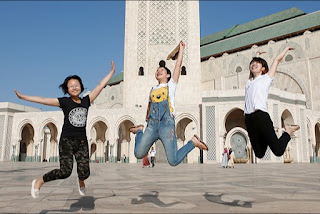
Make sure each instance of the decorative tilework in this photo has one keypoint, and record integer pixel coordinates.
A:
(211, 134)
(238, 145)
(303, 136)
(183, 26)
(162, 23)
(8, 140)
(142, 40)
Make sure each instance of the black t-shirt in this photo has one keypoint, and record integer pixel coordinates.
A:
(75, 117)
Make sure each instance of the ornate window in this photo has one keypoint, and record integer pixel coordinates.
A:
(183, 70)
(141, 71)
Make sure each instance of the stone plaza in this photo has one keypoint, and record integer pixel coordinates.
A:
(187, 188)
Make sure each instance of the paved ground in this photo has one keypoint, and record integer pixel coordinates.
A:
(128, 188)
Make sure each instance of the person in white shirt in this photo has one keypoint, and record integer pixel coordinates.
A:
(258, 122)
(160, 117)
(153, 156)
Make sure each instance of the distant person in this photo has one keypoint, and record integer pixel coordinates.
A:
(145, 161)
(224, 162)
(153, 156)
(231, 158)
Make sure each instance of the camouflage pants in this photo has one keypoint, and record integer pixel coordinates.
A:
(67, 149)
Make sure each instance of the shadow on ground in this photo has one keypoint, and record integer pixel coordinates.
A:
(153, 198)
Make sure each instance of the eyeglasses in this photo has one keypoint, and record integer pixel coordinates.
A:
(74, 86)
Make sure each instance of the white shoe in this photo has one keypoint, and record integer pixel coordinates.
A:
(82, 190)
(34, 192)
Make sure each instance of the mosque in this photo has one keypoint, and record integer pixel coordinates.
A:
(209, 96)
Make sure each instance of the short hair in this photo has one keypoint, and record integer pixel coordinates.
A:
(64, 85)
(162, 64)
(262, 62)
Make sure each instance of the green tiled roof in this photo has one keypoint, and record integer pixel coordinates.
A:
(116, 79)
(263, 29)
(255, 24)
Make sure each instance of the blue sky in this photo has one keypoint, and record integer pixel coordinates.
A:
(43, 42)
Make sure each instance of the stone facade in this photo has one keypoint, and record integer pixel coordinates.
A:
(209, 98)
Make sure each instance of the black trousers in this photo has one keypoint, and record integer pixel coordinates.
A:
(262, 134)
(152, 161)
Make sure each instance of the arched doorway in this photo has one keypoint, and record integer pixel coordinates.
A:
(237, 137)
(26, 144)
(235, 118)
(99, 146)
(50, 143)
(124, 148)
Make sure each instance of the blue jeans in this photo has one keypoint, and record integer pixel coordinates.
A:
(163, 129)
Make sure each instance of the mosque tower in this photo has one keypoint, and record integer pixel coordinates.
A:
(152, 30)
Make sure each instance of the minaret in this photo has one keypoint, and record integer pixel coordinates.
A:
(152, 30)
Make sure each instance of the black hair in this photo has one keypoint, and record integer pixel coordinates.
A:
(262, 62)
(162, 64)
(64, 85)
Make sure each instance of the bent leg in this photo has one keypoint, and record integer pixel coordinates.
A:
(257, 143)
(277, 146)
(66, 162)
(169, 140)
(82, 158)
(144, 141)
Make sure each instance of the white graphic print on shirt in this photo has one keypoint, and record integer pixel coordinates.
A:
(78, 117)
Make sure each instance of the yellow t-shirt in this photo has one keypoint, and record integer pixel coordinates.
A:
(159, 93)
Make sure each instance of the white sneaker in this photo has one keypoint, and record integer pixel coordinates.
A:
(34, 192)
(82, 190)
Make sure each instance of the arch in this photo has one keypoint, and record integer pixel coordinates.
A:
(296, 53)
(98, 135)
(286, 118)
(181, 128)
(238, 61)
(49, 141)
(124, 139)
(234, 118)
(97, 119)
(238, 139)
(101, 131)
(22, 124)
(186, 115)
(116, 105)
(123, 118)
(26, 142)
(300, 84)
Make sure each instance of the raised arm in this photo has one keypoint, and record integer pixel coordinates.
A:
(41, 100)
(277, 60)
(96, 91)
(176, 73)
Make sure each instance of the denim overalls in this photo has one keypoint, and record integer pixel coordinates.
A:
(161, 125)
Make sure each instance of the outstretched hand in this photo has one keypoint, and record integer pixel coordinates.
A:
(182, 45)
(260, 53)
(113, 67)
(18, 94)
